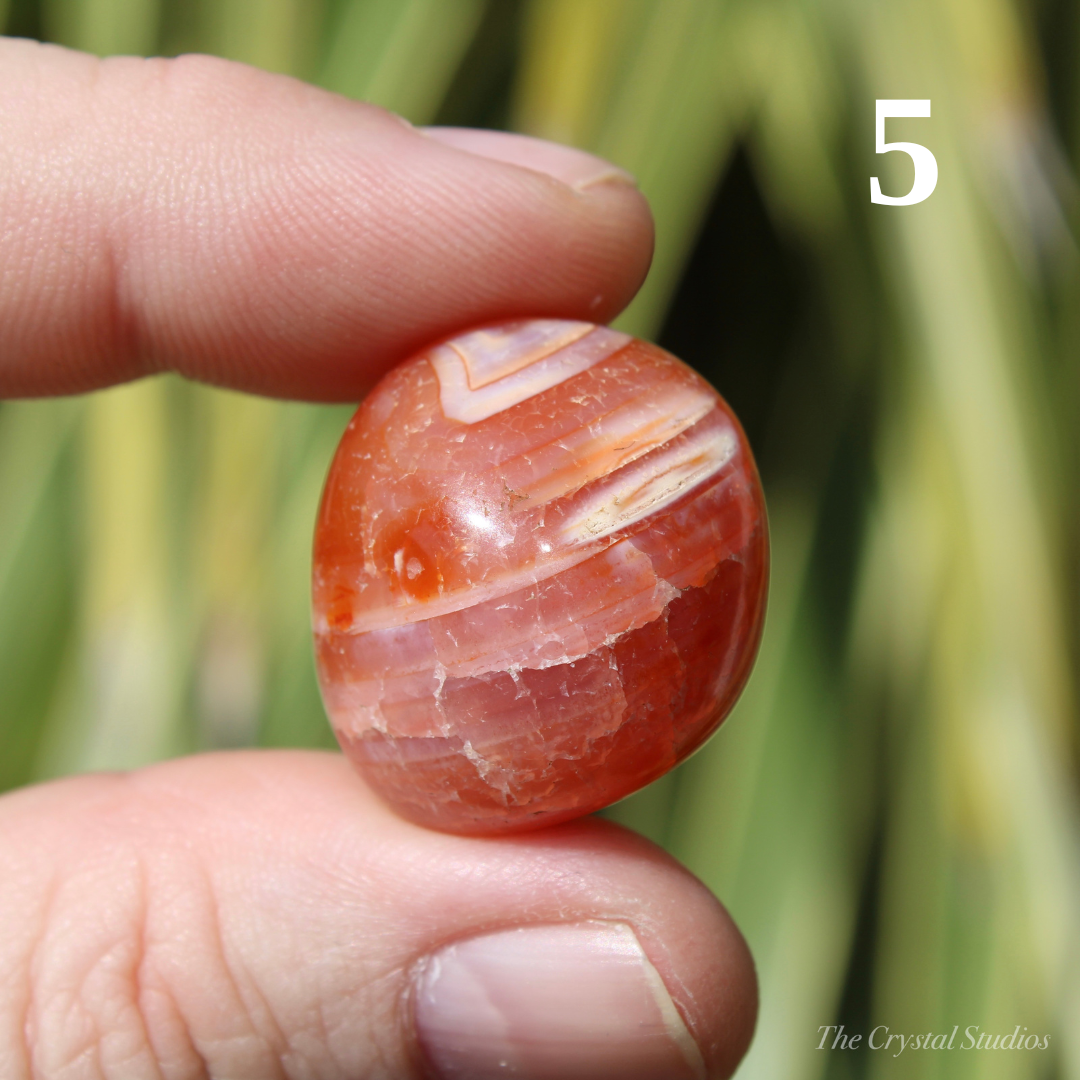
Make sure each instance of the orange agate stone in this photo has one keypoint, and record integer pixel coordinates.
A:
(540, 573)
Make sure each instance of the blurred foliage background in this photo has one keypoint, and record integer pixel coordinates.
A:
(890, 813)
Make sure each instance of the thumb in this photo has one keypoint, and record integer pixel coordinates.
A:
(260, 914)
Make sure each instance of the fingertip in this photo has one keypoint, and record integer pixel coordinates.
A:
(607, 193)
(582, 886)
(692, 941)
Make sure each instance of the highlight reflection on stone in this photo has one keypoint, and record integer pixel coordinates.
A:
(540, 574)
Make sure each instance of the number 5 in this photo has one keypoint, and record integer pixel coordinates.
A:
(924, 161)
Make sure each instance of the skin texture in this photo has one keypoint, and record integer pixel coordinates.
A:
(261, 914)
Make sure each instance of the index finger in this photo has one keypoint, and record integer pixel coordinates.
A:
(252, 231)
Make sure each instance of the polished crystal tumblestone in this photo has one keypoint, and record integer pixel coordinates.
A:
(540, 573)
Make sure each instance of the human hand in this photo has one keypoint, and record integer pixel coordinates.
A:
(260, 913)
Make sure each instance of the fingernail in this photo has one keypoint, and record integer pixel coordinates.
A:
(573, 1002)
(574, 167)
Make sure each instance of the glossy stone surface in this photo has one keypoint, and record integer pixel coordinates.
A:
(540, 574)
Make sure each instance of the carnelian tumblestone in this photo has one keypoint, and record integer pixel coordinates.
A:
(540, 573)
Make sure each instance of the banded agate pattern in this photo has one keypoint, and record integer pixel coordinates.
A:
(540, 574)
